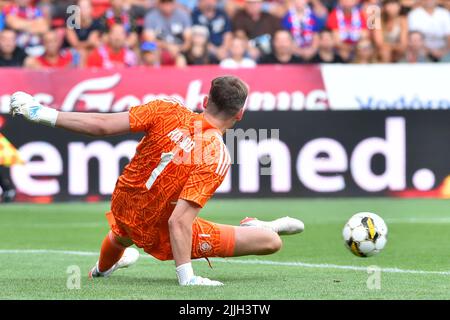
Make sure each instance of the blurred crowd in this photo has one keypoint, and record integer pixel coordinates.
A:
(233, 34)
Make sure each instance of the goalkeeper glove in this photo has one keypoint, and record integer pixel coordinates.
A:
(186, 277)
(24, 104)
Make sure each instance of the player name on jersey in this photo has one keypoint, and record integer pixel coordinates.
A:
(182, 140)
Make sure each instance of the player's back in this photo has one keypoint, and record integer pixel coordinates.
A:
(181, 155)
(157, 119)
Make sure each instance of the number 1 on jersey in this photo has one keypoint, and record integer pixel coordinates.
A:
(165, 160)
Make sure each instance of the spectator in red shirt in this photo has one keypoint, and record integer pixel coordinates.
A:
(53, 56)
(115, 53)
(349, 25)
(29, 23)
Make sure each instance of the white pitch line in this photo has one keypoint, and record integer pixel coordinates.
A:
(330, 266)
(46, 251)
(241, 261)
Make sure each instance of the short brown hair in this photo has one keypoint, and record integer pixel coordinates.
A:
(227, 96)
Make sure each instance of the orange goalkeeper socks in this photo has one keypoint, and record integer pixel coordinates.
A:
(110, 253)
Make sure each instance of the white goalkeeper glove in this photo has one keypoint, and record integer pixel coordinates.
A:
(24, 104)
(186, 277)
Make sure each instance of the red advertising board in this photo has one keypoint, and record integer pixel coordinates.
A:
(271, 87)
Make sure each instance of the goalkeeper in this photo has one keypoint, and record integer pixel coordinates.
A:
(177, 167)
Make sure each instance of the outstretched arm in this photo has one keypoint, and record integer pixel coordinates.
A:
(93, 124)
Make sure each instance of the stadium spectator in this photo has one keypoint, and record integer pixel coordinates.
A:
(348, 24)
(120, 13)
(29, 23)
(198, 53)
(407, 6)
(216, 20)
(329, 4)
(150, 54)
(365, 52)
(115, 52)
(283, 50)
(372, 11)
(46, 8)
(392, 38)
(252, 21)
(2, 21)
(416, 51)
(138, 9)
(238, 57)
(10, 54)
(278, 8)
(58, 9)
(145, 4)
(304, 21)
(99, 8)
(370, 7)
(256, 25)
(434, 23)
(445, 4)
(326, 52)
(170, 26)
(54, 56)
(188, 5)
(87, 36)
(445, 59)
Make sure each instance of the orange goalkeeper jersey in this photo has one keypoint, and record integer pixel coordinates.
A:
(182, 156)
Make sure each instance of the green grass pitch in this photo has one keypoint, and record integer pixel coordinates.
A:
(40, 242)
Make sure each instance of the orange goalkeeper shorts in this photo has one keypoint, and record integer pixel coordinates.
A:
(208, 239)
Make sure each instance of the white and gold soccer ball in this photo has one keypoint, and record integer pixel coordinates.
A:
(365, 234)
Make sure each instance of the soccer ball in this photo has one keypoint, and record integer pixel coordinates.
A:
(365, 234)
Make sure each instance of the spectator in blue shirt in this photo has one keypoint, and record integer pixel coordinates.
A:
(209, 15)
